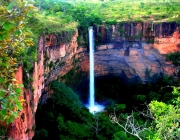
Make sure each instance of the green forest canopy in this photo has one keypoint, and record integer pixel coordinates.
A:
(117, 10)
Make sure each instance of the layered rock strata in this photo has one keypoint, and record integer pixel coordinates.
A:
(140, 61)
(123, 49)
(164, 36)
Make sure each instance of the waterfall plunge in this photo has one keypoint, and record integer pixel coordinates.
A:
(91, 59)
(93, 107)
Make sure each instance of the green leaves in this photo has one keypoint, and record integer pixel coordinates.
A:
(18, 32)
(3, 112)
(2, 79)
(120, 107)
(1, 37)
(64, 96)
(18, 90)
(29, 15)
(2, 93)
(10, 105)
(31, 1)
(29, 30)
(166, 119)
(19, 106)
(8, 25)
(13, 39)
(174, 57)
(10, 6)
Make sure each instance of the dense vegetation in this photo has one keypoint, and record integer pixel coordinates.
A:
(116, 10)
(15, 36)
(64, 117)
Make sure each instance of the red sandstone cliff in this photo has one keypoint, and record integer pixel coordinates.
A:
(168, 44)
(166, 36)
(24, 126)
(115, 56)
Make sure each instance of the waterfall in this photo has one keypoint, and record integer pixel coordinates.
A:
(91, 74)
(93, 107)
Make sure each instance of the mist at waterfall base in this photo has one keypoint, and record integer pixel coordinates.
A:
(92, 106)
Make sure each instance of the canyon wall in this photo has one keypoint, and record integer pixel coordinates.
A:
(123, 50)
(24, 126)
(139, 62)
(164, 36)
(136, 50)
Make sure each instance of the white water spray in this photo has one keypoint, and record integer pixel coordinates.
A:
(93, 107)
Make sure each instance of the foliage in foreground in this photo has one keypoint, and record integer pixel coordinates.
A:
(166, 118)
(161, 120)
(14, 37)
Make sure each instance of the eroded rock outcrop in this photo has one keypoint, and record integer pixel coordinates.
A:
(122, 51)
(135, 62)
(164, 36)
(126, 50)
(168, 44)
(24, 126)
(61, 56)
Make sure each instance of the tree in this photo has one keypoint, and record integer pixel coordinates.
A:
(130, 126)
(64, 97)
(14, 37)
(165, 120)
(96, 126)
(77, 130)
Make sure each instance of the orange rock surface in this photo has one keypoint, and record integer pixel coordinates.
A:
(168, 44)
(23, 127)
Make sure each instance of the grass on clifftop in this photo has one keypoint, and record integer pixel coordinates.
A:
(140, 11)
(111, 11)
(45, 24)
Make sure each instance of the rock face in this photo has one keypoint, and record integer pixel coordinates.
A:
(24, 126)
(140, 61)
(169, 43)
(61, 57)
(164, 36)
(137, 31)
(123, 51)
